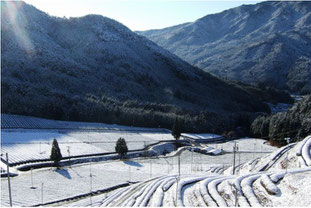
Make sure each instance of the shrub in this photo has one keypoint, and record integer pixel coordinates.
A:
(56, 155)
(176, 131)
(121, 147)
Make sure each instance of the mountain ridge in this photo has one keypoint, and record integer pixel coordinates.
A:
(93, 68)
(262, 43)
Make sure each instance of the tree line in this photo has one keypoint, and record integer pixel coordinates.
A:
(294, 123)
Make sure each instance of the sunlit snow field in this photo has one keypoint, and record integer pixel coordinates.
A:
(26, 144)
(68, 182)
(36, 144)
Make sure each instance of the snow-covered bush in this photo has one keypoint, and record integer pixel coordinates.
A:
(267, 183)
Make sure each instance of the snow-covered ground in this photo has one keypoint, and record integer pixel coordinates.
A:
(282, 183)
(36, 144)
(9, 121)
(245, 145)
(295, 189)
(73, 181)
(202, 136)
(264, 175)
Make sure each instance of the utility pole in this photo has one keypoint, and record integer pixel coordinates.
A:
(236, 196)
(145, 151)
(177, 179)
(9, 180)
(68, 151)
(200, 169)
(239, 154)
(91, 183)
(260, 149)
(178, 165)
(287, 140)
(42, 193)
(150, 169)
(234, 148)
(254, 149)
(286, 160)
(168, 167)
(32, 187)
(191, 159)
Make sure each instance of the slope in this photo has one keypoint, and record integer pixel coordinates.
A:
(93, 68)
(283, 182)
(294, 123)
(266, 43)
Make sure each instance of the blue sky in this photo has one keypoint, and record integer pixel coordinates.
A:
(138, 14)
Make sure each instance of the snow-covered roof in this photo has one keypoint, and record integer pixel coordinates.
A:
(200, 136)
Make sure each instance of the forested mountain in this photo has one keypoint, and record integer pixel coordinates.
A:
(268, 43)
(93, 68)
(294, 123)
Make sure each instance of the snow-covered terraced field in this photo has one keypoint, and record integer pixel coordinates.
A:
(275, 186)
(29, 138)
(9, 121)
(245, 145)
(260, 179)
(107, 174)
(36, 144)
(25, 145)
(202, 182)
(208, 190)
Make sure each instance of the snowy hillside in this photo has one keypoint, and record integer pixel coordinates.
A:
(93, 68)
(287, 184)
(75, 180)
(264, 43)
(264, 175)
(9, 121)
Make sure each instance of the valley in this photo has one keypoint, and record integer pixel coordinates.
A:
(210, 112)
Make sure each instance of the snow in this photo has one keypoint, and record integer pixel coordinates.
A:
(200, 136)
(306, 151)
(9, 121)
(196, 185)
(181, 184)
(163, 148)
(212, 187)
(203, 190)
(158, 196)
(269, 185)
(36, 144)
(114, 196)
(149, 192)
(30, 145)
(294, 191)
(248, 190)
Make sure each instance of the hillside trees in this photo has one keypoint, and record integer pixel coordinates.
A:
(294, 123)
(116, 77)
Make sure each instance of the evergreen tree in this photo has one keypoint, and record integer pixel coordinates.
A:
(56, 155)
(121, 147)
(176, 131)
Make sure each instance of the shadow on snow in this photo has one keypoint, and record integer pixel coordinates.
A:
(132, 163)
(64, 173)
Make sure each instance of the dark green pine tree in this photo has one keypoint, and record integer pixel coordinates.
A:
(176, 131)
(121, 147)
(56, 155)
